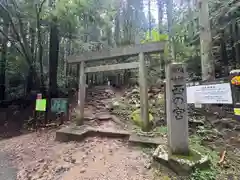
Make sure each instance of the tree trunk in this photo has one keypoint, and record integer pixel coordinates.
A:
(224, 58)
(30, 79)
(190, 17)
(170, 31)
(53, 58)
(160, 15)
(149, 19)
(160, 28)
(40, 55)
(67, 66)
(207, 62)
(236, 42)
(3, 61)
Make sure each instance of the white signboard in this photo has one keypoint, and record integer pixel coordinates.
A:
(210, 94)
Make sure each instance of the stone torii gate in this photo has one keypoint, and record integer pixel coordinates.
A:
(106, 54)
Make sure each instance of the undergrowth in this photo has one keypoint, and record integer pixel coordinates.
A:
(205, 174)
(198, 174)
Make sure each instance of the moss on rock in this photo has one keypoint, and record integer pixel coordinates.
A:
(136, 117)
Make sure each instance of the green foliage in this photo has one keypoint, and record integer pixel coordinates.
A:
(206, 174)
(155, 37)
(209, 174)
(162, 130)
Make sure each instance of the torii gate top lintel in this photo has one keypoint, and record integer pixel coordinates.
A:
(113, 53)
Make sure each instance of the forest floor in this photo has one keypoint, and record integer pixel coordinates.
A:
(37, 156)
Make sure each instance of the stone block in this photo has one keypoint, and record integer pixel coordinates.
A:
(103, 116)
(144, 140)
(113, 133)
(182, 165)
(72, 133)
(78, 133)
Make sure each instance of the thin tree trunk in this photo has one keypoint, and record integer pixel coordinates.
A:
(207, 62)
(68, 70)
(3, 61)
(224, 58)
(40, 54)
(236, 42)
(160, 15)
(149, 19)
(160, 26)
(170, 31)
(53, 58)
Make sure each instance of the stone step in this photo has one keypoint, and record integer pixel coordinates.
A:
(108, 132)
(78, 133)
(137, 139)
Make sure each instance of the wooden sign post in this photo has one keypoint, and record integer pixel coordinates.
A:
(40, 107)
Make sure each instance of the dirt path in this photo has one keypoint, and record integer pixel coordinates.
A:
(38, 157)
(7, 171)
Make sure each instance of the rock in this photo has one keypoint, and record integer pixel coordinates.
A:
(84, 157)
(159, 122)
(196, 122)
(62, 169)
(83, 170)
(131, 101)
(148, 164)
(112, 105)
(237, 128)
(73, 161)
(116, 103)
(138, 105)
(182, 165)
(41, 160)
(109, 106)
(89, 117)
(70, 160)
(104, 116)
(150, 95)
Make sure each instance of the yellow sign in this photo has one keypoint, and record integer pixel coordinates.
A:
(41, 104)
(235, 80)
(237, 111)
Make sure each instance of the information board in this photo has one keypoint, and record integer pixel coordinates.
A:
(59, 105)
(210, 94)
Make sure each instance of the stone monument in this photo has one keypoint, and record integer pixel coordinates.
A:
(177, 155)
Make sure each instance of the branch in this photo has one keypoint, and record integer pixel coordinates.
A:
(22, 33)
(15, 31)
(12, 42)
(41, 5)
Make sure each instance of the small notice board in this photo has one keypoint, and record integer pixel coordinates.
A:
(59, 105)
(210, 94)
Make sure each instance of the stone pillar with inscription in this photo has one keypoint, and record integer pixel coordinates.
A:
(176, 108)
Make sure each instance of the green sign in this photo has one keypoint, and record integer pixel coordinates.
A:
(59, 105)
(41, 104)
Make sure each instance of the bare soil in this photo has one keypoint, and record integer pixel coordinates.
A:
(38, 156)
